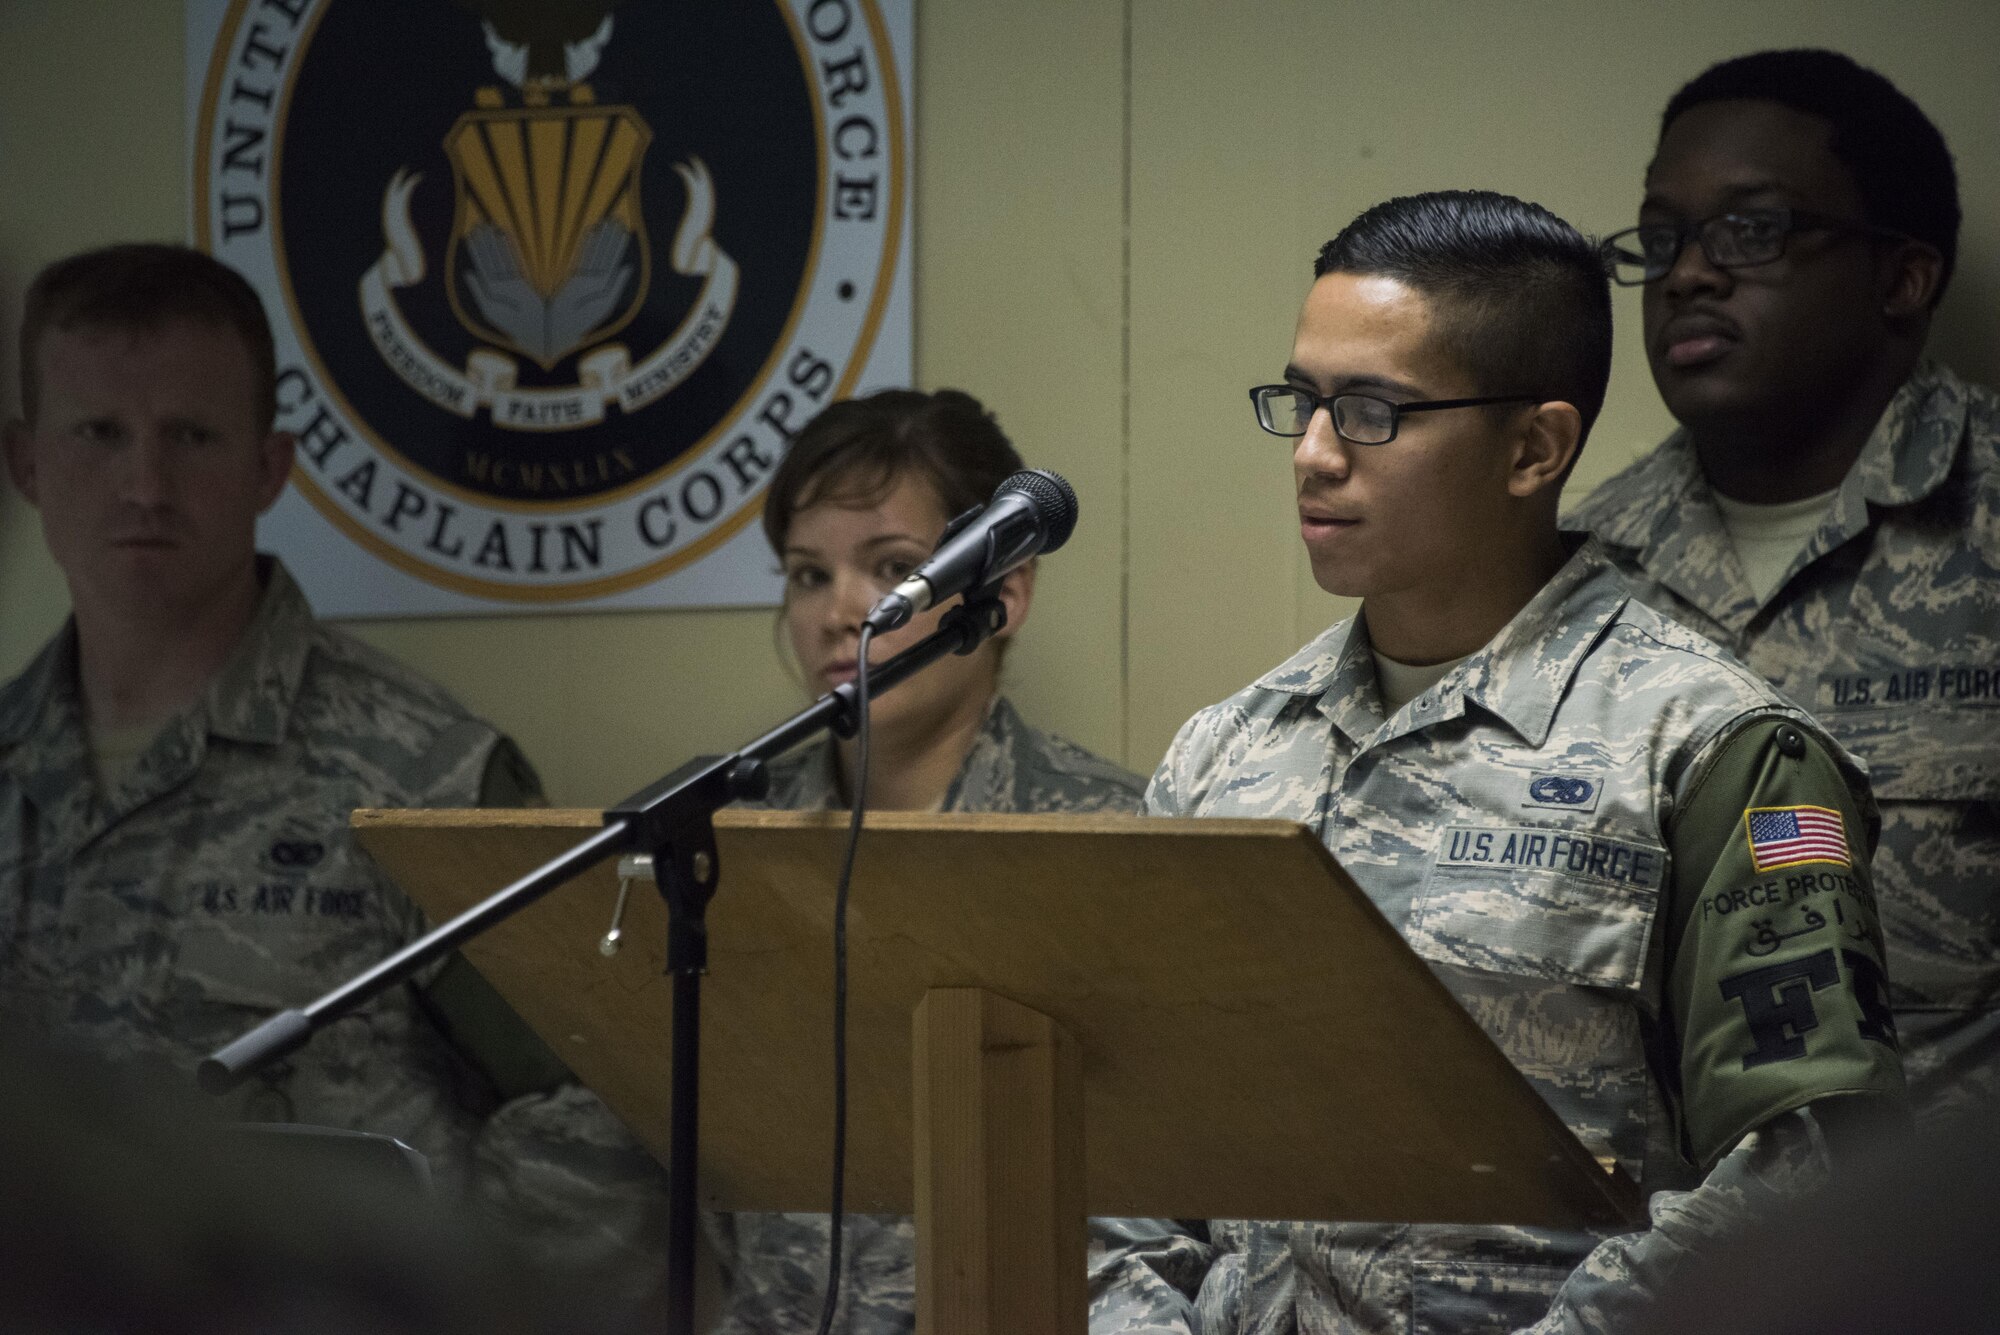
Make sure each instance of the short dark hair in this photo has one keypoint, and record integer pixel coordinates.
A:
(1897, 157)
(858, 449)
(145, 286)
(1525, 303)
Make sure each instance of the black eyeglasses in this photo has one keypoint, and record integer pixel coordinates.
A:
(1739, 240)
(1287, 410)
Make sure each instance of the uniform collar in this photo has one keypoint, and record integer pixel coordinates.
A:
(33, 704)
(41, 727)
(1675, 528)
(1328, 659)
(251, 698)
(1519, 677)
(1668, 518)
(1913, 448)
(985, 780)
(1523, 674)
(808, 782)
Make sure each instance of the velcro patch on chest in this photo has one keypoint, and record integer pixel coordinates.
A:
(1578, 853)
(1790, 836)
(1921, 684)
(1563, 790)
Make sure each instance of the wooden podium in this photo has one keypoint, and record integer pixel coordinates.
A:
(1048, 1016)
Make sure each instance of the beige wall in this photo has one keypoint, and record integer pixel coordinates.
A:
(1117, 206)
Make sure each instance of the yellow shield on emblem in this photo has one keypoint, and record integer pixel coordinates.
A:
(548, 249)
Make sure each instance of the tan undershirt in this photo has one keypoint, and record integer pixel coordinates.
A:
(1768, 538)
(1401, 683)
(114, 751)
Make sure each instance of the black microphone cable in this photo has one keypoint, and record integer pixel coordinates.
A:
(840, 981)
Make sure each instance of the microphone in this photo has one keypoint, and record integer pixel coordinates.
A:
(1033, 511)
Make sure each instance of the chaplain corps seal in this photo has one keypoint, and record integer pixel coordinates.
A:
(553, 285)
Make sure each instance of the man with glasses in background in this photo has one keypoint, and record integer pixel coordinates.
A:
(1641, 871)
(1829, 510)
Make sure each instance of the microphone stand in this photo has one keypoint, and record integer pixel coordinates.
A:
(671, 819)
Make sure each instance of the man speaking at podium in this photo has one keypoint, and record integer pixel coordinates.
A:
(1641, 870)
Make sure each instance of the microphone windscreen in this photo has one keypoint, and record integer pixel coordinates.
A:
(1054, 498)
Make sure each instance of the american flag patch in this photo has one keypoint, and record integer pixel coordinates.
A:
(1787, 836)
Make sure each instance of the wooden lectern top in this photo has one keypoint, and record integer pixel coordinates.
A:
(1258, 1042)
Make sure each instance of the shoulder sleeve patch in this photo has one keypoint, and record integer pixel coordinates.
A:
(1776, 988)
(1781, 837)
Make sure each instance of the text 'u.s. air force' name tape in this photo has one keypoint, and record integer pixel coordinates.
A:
(1937, 683)
(1573, 853)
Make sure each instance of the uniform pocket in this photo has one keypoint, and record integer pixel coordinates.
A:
(280, 946)
(1935, 768)
(1480, 1298)
(1541, 934)
(1943, 747)
(1562, 905)
(259, 969)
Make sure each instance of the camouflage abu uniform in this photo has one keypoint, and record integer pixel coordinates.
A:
(1141, 1269)
(1560, 828)
(1887, 627)
(218, 882)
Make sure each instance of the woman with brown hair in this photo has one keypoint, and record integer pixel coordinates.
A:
(860, 500)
